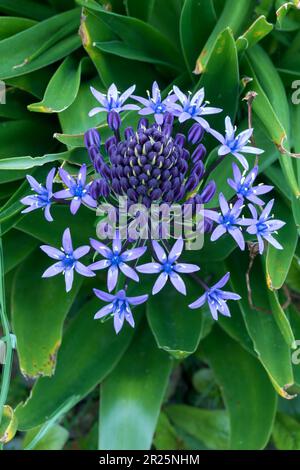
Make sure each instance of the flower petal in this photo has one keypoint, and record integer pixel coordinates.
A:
(186, 268)
(101, 248)
(138, 300)
(176, 250)
(104, 311)
(103, 264)
(159, 251)
(53, 270)
(135, 253)
(52, 252)
(83, 270)
(104, 295)
(149, 268)
(129, 272)
(178, 282)
(160, 283)
(69, 276)
(199, 302)
(67, 241)
(81, 251)
(112, 278)
(75, 204)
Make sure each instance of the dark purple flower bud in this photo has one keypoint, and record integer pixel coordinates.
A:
(133, 181)
(169, 196)
(185, 154)
(192, 183)
(156, 194)
(110, 143)
(179, 140)
(114, 120)
(196, 133)
(132, 195)
(198, 169)
(94, 154)
(146, 201)
(116, 186)
(199, 153)
(179, 195)
(208, 225)
(124, 183)
(143, 123)
(167, 130)
(104, 188)
(168, 119)
(166, 186)
(208, 192)
(128, 133)
(153, 183)
(92, 137)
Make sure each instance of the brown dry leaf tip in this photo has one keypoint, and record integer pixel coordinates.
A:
(246, 80)
(286, 394)
(82, 30)
(284, 151)
(250, 97)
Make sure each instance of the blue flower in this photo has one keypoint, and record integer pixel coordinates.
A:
(155, 105)
(263, 226)
(228, 220)
(118, 307)
(113, 101)
(168, 267)
(67, 260)
(216, 299)
(43, 197)
(192, 107)
(243, 185)
(115, 260)
(236, 145)
(77, 190)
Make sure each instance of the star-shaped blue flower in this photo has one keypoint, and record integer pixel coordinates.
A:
(168, 267)
(216, 298)
(42, 199)
(113, 101)
(243, 185)
(228, 220)
(193, 107)
(263, 226)
(155, 105)
(115, 260)
(118, 307)
(236, 145)
(67, 260)
(77, 189)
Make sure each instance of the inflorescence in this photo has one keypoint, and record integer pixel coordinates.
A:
(162, 162)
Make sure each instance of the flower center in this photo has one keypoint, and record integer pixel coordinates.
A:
(168, 267)
(68, 261)
(228, 220)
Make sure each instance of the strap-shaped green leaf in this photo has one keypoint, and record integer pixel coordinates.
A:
(89, 352)
(248, 394)
(132, 395)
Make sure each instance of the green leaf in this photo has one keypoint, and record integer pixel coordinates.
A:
(66, 78)
(165, 437)
(248, 394)
(208, 426)
(191, 36)
(17, 246)
(281, 319)
(177, 328)
(8, 425)
(38, 320)
(271, 107)
(36, 225)
(278, 262)
(268, 341)
(25, 163)
(54, 439)
(223, 93)
(10, 25)
(165, 17)
(235, 327)
(93, 29)
(132, 395)
(89, 352)
(28, 8)
(53, 37)
(231, 18)
(255, 33)
(138, 9)
(138, 36)
(286, 433)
